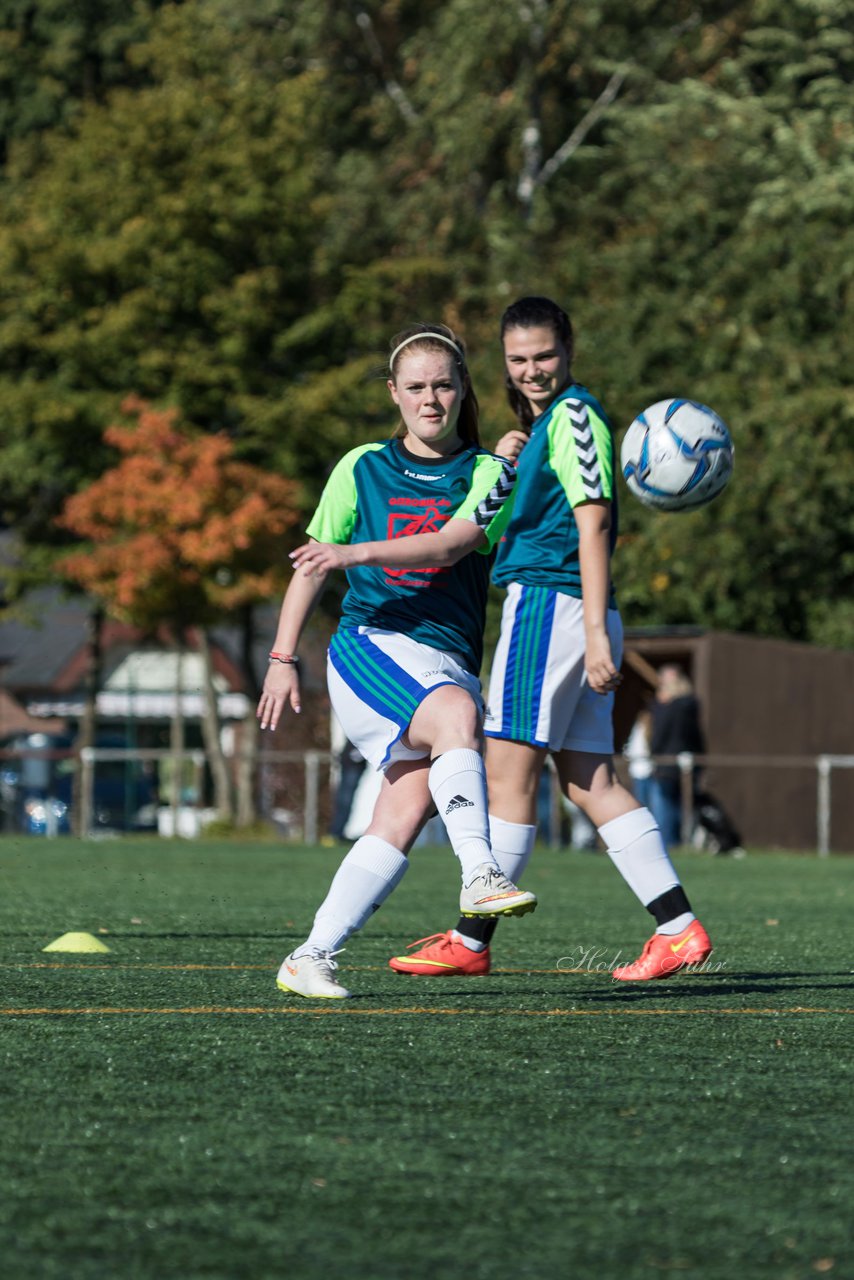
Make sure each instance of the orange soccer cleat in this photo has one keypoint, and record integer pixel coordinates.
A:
(666, 954)
(443, 957)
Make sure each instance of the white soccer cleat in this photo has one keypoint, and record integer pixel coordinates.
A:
(312, 976)
(490, 893)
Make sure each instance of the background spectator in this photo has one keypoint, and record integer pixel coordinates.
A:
(675, 728)
(638, 755)
(351, 765)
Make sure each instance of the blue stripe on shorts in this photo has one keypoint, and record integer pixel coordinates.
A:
(527, 658)
(375, 677)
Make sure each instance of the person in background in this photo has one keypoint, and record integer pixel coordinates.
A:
(557, 661)
(412, 520)
(675, 729)
(351, 766)
(638, 756)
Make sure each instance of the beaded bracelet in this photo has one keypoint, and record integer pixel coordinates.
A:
(289, 659)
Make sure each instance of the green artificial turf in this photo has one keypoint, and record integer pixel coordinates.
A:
(166, 1112)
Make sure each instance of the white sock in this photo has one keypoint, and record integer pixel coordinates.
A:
(457, 782)
(512, 845)
(677, 924)
(471, 944)
(637, 850)
(368, 874)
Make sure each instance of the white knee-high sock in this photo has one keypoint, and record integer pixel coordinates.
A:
(638, 852)
(457, 782)
(368, 874)
(512, 845)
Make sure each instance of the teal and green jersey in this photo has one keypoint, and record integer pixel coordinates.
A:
(382, 491)
(568, 460)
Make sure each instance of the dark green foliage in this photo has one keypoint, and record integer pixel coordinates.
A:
(55, 56)
(238, 221)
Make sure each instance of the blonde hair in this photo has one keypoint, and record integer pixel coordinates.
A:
(673, 682)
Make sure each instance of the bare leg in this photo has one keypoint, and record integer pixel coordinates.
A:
(589, 781)
(513, 774)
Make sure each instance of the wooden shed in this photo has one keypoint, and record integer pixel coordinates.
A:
(779, 725)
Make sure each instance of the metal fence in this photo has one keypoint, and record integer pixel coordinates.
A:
(292, 788)
(295, 789)
(822, 765)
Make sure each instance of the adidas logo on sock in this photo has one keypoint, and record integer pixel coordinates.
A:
(459, 802)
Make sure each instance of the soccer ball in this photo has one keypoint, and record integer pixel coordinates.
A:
(677, 455)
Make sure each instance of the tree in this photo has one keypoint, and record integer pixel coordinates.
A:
(55, 56)
(181, 534)
(238, 232)
(162, 242)
(734, 243)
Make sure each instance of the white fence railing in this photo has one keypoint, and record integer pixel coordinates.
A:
(309, 762)
(824, 766)
(307, 772)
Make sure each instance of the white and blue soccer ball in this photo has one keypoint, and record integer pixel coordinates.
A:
(677, 455)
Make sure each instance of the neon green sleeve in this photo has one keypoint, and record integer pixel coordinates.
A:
(581, 453)
(335, 516)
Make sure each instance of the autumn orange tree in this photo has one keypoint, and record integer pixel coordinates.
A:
(180, 534)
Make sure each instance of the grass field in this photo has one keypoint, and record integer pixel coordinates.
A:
(168, 1113)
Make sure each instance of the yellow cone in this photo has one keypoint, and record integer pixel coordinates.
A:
(76, 942)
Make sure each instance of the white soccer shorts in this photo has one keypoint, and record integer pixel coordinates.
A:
(538, 690)
(377, 680)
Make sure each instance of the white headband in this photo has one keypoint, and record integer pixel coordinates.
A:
(414, 338)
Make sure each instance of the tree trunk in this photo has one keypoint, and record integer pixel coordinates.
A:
(247, 770)
(247, 764)
(223, 792)
(88, 721)
(176, 736)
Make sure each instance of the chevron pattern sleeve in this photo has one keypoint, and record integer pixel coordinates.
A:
(490, 500)
(581, 452)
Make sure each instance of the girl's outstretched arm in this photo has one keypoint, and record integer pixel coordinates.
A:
(281, 683)
(416, 551)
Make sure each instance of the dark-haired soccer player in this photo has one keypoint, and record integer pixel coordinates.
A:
(556, 666)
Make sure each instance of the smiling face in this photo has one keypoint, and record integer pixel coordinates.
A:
(428, 390)
(537, 363)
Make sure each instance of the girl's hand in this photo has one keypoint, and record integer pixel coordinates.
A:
(511, 444)
(281, 688)
(602, 676)
(320, 557)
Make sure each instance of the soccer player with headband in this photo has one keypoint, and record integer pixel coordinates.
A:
(412, 521)
(557, 661)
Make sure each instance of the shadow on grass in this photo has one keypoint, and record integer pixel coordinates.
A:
(746, 984)
(491, 989)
